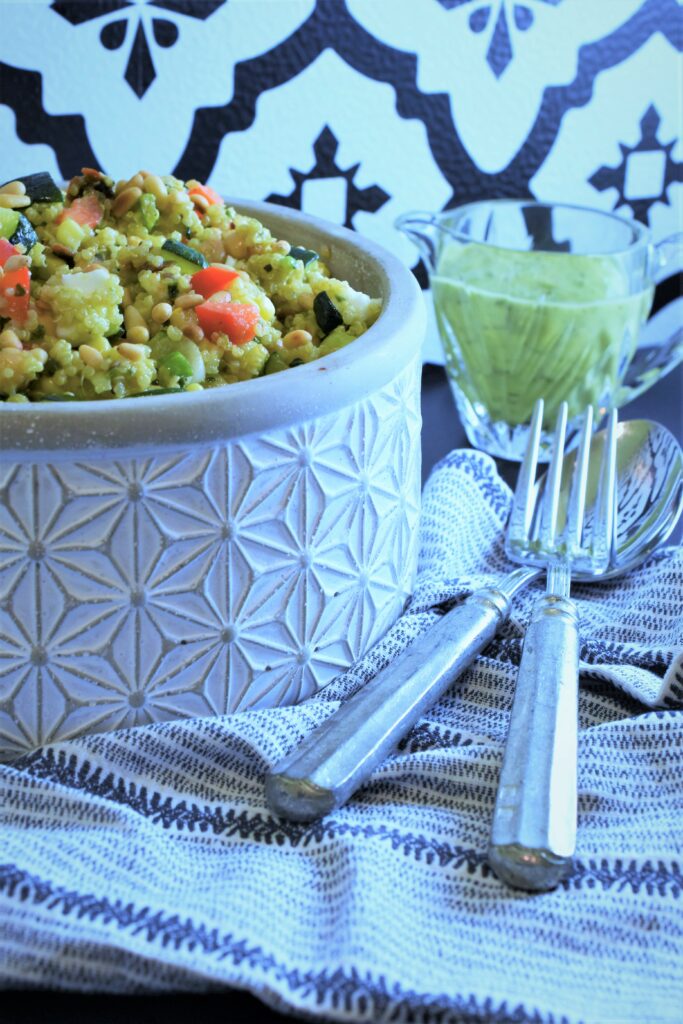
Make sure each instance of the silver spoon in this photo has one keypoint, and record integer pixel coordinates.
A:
(340, 755)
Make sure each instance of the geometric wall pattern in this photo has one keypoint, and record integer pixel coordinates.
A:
(357, 110)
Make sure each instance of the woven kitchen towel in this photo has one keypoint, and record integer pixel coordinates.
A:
(146, 860)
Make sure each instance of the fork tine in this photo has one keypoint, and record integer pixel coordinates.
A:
(603, 522)
(551, 497)
(523, 501)
(577, 498)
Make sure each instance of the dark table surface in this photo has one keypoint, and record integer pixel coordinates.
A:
(441, 432)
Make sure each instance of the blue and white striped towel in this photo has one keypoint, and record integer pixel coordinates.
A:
(146, 860)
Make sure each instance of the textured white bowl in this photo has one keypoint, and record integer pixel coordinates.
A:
(204, 553)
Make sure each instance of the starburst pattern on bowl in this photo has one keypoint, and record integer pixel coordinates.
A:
(246, 574)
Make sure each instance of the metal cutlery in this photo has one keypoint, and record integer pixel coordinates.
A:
(339, 756)
(534, 824)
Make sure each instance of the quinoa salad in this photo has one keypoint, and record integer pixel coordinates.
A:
(154, 285)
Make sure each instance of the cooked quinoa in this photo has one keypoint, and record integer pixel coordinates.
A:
(140, 287)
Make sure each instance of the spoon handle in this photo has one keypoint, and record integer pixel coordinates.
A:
(534, 822)
(340, 755)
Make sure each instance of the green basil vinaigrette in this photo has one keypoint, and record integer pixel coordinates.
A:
(518, 326)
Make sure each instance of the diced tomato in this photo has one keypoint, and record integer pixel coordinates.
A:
(15, 288)
(236, 319)
(208, 193)
(212, 279)
(85, 210)
(6, 250)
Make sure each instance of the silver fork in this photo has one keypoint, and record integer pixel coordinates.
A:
(534, 823)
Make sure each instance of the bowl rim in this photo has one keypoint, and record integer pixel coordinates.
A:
(246, 407)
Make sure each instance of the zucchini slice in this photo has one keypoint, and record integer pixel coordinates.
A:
(305, 255)
(155, 391)
(326, 313)
(66, 396)
(189, 260)
(24, 233)
(41, 188)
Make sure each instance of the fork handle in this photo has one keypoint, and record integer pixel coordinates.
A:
(534, 822)
(340, 755)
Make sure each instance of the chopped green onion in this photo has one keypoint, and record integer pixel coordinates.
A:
(177, 365)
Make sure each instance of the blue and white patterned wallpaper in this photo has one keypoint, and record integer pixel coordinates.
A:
(356, 110)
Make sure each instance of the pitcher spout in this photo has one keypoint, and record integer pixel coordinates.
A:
(424, 230)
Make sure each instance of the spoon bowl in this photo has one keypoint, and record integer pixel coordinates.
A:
(649, 492)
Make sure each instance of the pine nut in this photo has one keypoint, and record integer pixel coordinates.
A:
(200, 201)
(125, 201)
(295, 339)
(15, 188)
(161, 312)
(139, 335)
(91, 357)
(188, 300)
(13, 202)
(131, 351)
(16, 262)
(236, 246)
(155, 185)
(194, 332)
(132, 317)
(8, 339)
(135, 182)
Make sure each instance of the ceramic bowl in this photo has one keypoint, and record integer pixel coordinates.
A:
(206, 553)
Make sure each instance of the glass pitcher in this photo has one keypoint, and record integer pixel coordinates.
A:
(541, 300)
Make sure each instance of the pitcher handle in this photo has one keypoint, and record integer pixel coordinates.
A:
(650, 363)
